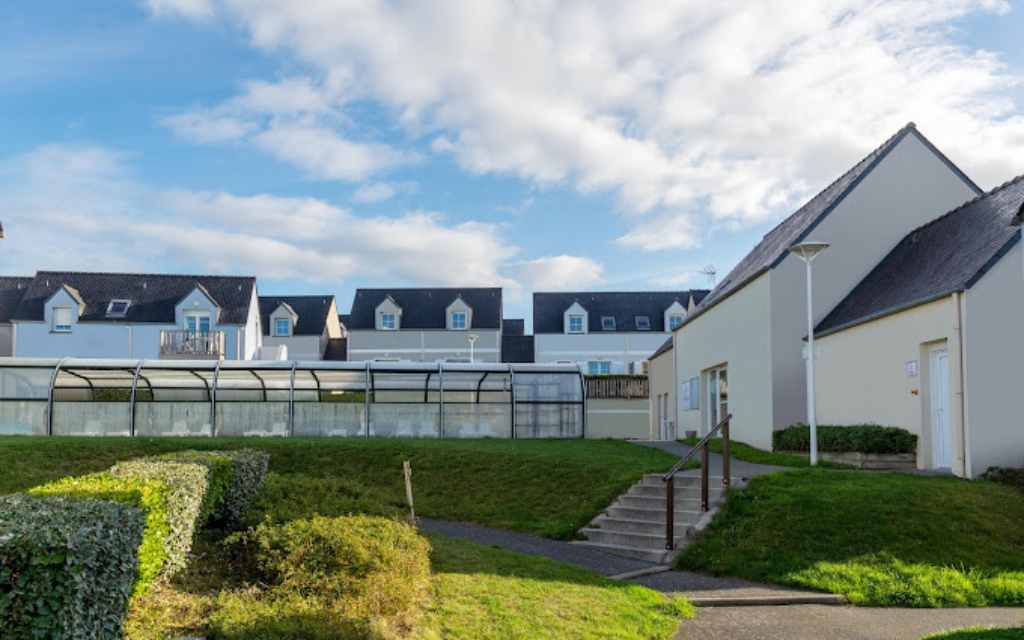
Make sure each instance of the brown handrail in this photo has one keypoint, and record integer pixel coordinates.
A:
(668, 478)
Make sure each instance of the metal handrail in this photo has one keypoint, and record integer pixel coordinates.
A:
(670, 486)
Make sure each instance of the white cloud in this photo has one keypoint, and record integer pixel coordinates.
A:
(323, 154)
(703, 114)
(376, 192)
(559, 272)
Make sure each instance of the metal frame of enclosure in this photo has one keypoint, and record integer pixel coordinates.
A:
(104, 397)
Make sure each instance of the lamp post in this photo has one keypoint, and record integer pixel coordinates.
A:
(472, 338)
(808, 251)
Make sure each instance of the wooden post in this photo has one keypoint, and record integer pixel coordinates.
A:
(408, 487)
(704, 464)
(670, 514)
(726, 479)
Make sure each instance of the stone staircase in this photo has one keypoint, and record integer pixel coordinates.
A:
(634, 525)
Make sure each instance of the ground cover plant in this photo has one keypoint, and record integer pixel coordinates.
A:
(544, 487)
(862, 438)
(1009, 477)
(742, 451)
(881, 539)
(979, 633)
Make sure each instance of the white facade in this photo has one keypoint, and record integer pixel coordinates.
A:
(620, 350)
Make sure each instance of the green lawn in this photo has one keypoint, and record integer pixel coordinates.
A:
(979, 633)
(742, 451)
(886, 539)
(545, 487)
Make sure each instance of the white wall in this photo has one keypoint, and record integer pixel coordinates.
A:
(620, 348)
(423, 345)
(995, 367)
(661, 377)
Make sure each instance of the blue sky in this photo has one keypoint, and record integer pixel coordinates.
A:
(325, 146)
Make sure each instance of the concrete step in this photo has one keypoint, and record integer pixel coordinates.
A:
(657, 556)
(653, 515)
(714, 493)
(626, 538)
(638, 526)
(658, 502)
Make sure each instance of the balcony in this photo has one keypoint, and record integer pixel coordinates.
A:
(192, 345)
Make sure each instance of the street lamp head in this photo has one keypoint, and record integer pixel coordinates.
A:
(808, 251)
(472, 337)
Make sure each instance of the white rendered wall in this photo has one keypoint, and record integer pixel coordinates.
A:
(619, 348)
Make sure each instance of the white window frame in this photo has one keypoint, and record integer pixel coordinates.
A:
(674, 320)
(199, 316)
(110, 306)
(465, 321)
(58, 326)
(287, 327)
(385, 325)
(594, 368)
(636, 319)
(607, 323)
(718, 406)
(578, 317)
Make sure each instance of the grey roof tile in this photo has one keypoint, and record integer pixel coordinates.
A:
(516, 348)
(549, 308)
(665, 348)
(311, 310)
(424, 308)
(12, 290)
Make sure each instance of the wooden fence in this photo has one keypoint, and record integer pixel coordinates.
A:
(618, 387)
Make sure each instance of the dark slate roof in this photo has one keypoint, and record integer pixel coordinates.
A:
(344, 319)
(516, 348)
(153, 296)
(337, 349)
(549, 308)
(946, 255)
(665, 348)
(513, 326)
(772, 249)
(12, 290)
(311, 310)
(425, 308)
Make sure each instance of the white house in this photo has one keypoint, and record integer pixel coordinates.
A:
(308, 327)
(930, 340)
(741, 349)
(607, 332)
(128, 315)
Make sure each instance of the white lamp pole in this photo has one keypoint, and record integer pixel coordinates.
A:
(472, 338)
(808, 251)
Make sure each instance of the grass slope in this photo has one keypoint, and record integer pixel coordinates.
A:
(742, 451)
(884, 539)
(545, 487)
(980, 633)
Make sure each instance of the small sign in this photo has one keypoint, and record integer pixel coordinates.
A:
(912, 369)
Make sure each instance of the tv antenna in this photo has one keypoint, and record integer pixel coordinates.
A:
(710, 272)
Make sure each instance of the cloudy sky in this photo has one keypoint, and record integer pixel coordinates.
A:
(325, 145)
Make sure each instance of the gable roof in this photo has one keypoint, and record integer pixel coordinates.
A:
(665, 348)
(946, 255)
(516, 348)
(312, 312)
(153, 296)
(513, 326)
(771, 250)
(12, 290)
(426, 308)
(549, 308)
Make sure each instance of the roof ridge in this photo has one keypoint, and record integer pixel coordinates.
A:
(130, 273)
(567, 293)
(972, 201)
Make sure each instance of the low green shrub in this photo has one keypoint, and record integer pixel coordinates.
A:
(186, 484)
(248, 473)
(350, 576)
(1003, 475)
(220, 474)
(150, 496)
(862, 438)
(66, 566)
(294, 496)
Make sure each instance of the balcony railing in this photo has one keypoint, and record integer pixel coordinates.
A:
(626, 387)
(192, 344)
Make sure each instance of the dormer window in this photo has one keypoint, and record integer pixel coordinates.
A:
(460, 321)
(62, 319)
(388, 322)
(608, 323)
(575, 324)
(674, 320)
(643, 323)
(118, 308)
(282, 327)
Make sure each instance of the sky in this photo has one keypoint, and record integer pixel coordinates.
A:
(540, 145)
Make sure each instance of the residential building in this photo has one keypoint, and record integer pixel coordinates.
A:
(930, 340)
(12, 290)
(662, 393)
(516, 346)
(426, 325)
(130, 315)
(742, 347)
(607, 332)
(304, 325)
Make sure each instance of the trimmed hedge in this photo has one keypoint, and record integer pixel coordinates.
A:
(350, 576)
(150, 496)
(864, 438)
(66, 566)
(247, 475)
(186, 486)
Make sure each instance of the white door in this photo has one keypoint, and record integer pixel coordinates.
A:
(942, 447)
(718, 397)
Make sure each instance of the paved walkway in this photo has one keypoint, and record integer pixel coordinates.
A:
(737, 468)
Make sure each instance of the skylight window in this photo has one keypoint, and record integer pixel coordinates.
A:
(643, 323)
(608, 323)
(118, 308)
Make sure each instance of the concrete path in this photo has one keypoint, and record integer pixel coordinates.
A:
(737, 468)
(813, 622)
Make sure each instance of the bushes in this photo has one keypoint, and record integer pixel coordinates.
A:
(351, 576)
(1002, 475)
(248, 471)
(865, 438)
(66, 566)
(149, 495)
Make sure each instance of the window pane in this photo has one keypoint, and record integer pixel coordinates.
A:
(281, 327)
